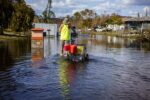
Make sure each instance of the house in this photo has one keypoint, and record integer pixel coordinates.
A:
(49, 29)
(137, 23)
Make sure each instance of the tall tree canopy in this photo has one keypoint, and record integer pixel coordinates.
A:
(22, 17)
(114, 19)
(84, 18)
(16, 15)
(6, 10)
(88, 18)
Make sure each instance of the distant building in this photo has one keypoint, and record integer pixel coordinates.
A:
(137, 23)
(49, 29)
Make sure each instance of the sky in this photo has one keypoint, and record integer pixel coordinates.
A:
(69, 7)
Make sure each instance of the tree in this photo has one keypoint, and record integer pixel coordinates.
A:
(6, 10)
(96, 21)
(114, 19)
(87, 23)
(77, 15)
(84, 18)
(22, 17)
(88, 14)
(16, 15)
(77, 19)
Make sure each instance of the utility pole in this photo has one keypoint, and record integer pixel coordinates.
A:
(138, 15)
(48, 8)
(48, 13)
(146, 12)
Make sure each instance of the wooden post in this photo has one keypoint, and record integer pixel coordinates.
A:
(37, 37)
(37, 44)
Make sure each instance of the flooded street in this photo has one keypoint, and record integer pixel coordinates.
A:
(118, 69)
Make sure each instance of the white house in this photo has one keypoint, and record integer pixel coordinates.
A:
(50, 29)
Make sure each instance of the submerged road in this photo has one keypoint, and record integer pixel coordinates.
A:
(118, 69)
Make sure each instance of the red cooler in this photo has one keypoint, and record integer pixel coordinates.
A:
(73, 49)
(67, 47)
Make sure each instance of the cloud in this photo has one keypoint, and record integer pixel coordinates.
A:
(137, 2)
(58, 4)
(108, 7)
(69, 2)
(68, 7)
(37, 5)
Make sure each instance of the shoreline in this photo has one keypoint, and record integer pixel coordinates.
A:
(12, 35)
(123, 35)
(118, 34)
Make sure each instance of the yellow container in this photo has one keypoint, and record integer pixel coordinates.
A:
(80, 49)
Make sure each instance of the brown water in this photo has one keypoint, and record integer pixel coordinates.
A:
(118, 69)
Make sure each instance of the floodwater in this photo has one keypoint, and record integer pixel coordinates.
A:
(118, 69)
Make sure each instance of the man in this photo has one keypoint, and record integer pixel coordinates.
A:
(64, 34)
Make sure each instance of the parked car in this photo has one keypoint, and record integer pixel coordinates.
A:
(89, 29)
(101, 29)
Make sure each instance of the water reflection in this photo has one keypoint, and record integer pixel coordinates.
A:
(109, 41)
(37, 54)
(44, 48)
(103, 43)
(37, 50)
(13, 50)
(5, 56)
(51, 46)
(64, 80)
(68, 74)
(94, 45)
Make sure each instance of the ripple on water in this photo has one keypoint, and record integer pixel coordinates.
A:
(104, 78)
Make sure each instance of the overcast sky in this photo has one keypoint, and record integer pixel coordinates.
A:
(68, 7)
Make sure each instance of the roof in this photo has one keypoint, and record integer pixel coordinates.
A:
(37, 29)
(136, 19)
